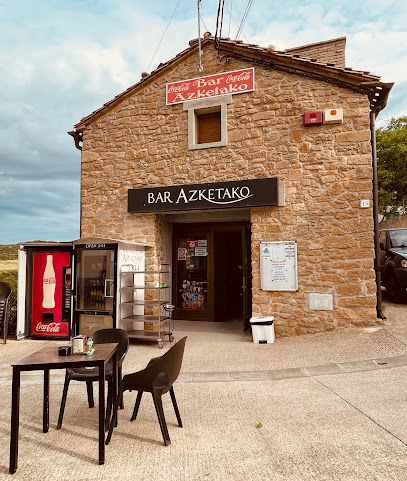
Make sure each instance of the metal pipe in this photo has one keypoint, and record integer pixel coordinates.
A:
(379, 311)
(200, 68)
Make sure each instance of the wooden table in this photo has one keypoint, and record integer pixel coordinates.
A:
(46, 359)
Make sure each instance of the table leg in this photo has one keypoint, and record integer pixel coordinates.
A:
(15, 418)
(115, 383)
(45, 406)
(101, 413)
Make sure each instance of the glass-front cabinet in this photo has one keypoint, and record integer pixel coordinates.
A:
(95, 287)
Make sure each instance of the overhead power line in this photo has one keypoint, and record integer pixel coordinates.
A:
(249, 4)
(159, 43)
(219, 22)
(230, 13)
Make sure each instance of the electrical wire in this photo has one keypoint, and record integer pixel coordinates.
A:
(219, 23)
(230, 16)
(207, 29)
(249, 4)
(200, 67)
(237, 25)
(166, 28)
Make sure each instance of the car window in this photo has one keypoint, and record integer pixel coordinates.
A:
(398, 238)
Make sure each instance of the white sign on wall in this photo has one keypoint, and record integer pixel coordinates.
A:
(278, 266)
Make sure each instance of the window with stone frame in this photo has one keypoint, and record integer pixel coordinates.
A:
(207, 122)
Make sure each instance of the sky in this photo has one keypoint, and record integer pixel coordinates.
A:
(61, 60)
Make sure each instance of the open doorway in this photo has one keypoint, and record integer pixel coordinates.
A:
(212, 272)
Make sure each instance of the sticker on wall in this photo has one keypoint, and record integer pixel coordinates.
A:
(201, 251)
(193, 295)
(191, 244)
(202, 242)
(182, 253)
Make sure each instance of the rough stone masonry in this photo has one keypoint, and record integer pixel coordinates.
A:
(139, 141)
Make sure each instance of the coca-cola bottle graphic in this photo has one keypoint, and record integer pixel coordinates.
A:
(48, 285)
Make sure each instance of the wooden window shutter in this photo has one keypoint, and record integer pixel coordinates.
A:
(209, 128)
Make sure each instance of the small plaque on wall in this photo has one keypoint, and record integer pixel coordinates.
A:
(278, 266)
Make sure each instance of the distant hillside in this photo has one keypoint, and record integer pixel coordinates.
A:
(8, 273)
(9, 252)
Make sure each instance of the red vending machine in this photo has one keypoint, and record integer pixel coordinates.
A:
(51, 294)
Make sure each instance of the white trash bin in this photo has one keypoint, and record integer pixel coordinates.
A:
(263, 329)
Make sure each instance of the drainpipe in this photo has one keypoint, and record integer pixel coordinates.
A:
(373, 115)
(378, 104)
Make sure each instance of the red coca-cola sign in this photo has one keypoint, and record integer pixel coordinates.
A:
(54, 327)
(235, 82)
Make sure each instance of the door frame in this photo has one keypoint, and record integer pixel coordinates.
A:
(209, 229)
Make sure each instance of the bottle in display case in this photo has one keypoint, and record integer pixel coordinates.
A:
(49, 284)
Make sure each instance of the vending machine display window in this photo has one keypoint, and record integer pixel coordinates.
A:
(95, 290)
(51, 294)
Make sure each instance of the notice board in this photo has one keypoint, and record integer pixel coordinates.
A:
(278, 266)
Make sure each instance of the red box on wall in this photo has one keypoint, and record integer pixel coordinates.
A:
(313, 118)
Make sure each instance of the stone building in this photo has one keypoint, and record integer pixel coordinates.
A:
(252, 178)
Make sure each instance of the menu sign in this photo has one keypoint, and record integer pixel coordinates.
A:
(235, 82)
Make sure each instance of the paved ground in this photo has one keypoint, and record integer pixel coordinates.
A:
(331, 406)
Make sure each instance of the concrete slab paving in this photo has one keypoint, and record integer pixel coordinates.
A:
(249, 376)
(323, 369)
(380, 395)
(211, 376)
(289, 373)
(362, 365)
(331, 407)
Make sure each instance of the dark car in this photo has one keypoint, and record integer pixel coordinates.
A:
(393, 262)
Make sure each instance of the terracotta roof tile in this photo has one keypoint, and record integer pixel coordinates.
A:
(330, 66)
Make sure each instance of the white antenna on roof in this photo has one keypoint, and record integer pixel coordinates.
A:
(200, 67)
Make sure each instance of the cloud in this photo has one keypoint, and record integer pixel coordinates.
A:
(62, 60)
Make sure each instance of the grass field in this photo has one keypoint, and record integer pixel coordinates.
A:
(9, 265)
(8, 273)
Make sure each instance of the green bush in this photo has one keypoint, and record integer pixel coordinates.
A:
(11, 278)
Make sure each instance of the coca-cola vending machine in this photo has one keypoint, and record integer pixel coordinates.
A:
(70, 288)
(44, 303)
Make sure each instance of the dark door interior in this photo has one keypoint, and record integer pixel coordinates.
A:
(215, 286)
(228, 297)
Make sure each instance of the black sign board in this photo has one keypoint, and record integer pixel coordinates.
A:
(217, 195)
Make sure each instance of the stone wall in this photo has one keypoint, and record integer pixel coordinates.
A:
(326, 169)
(331, 51)
(394, 222)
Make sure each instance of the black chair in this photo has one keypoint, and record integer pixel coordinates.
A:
(5, 307)
(103, 336)
(157, 378)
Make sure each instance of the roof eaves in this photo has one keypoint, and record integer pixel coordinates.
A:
(82, 123)
(323, 42)
(352, 75)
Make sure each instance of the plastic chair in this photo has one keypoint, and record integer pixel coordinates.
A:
(157, 378)
(5, 307)
(103, 336)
